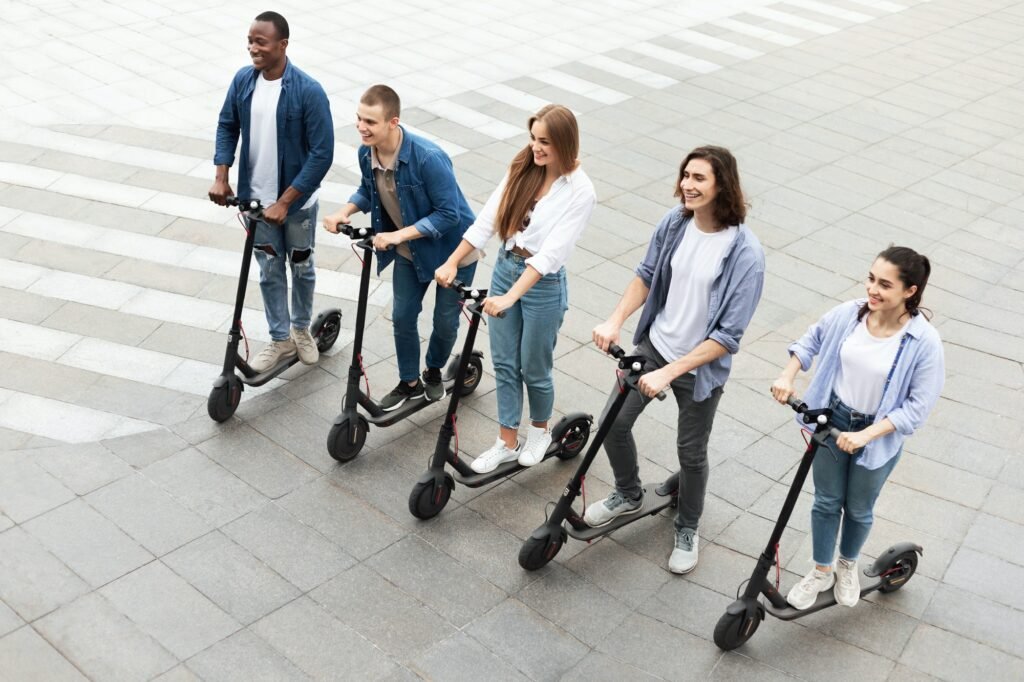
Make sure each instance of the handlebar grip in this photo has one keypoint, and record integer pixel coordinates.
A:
(615, 351)
(835, 433)
(661, 395)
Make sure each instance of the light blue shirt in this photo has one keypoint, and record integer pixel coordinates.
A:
(911, 394)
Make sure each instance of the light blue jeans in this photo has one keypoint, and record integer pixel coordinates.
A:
(523, 342)
(844, 492)
(408, 292)
(294, 239)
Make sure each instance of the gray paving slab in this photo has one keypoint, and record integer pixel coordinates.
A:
(25, 655)
(244, 656)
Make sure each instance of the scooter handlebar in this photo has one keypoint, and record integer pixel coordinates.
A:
(353, 232)
(617, 353)
(800, 406)
(250, 205)
(471, 294)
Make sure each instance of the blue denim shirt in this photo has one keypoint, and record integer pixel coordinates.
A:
(735, 293)
(305, 132)
(911, 394)
(429, 198)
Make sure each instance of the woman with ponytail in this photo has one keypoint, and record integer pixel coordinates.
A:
(539, 211)
(880, 369)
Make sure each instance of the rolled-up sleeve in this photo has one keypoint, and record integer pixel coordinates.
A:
(739, 309)
(558, 245)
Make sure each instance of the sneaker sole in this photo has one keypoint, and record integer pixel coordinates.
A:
(625, 513)
(280, 361)
(504, 461)
(404, 401)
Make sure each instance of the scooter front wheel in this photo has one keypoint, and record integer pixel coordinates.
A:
(573, 438)
(326, 328)
(224, 399)
(901, 572)
(474, 372)
(428, 498)
(734, 629)
(540, 548)
(346, 439)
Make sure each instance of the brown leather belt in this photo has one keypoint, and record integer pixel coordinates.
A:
(520, 251)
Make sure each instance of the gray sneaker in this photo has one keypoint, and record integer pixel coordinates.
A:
(684, 555)
(433, 386)
(273, 353)
(604, 511)
(401, 393)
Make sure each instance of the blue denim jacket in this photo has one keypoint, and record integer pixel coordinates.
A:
(305, 132)
(734, 293)
(429, 198)
(912, 392)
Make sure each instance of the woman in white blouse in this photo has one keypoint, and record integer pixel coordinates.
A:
(539, 211)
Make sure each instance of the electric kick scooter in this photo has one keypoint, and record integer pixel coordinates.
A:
(431, 493)
(227, 388)
(348, 434)
(888, 573)
(545, 542)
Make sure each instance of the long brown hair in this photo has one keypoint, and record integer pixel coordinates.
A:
(525, 178)
(730, 208)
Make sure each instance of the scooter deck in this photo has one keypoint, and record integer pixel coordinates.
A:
(653, 503)
(825, 599)
(504, 470)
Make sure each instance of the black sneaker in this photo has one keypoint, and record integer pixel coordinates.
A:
(400, 394)
(434, 389)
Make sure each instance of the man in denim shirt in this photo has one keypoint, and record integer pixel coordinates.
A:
(419, 215)
(699, 284)
(284, 120)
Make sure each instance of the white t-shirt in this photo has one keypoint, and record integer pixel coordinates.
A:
(682, 324)
(864, 364)
(263, 140)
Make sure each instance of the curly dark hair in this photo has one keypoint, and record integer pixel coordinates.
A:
(730, 207)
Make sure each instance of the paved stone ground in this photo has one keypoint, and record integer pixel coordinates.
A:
(140, 540)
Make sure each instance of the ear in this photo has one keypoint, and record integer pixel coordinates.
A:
(393, 123)
(284, 43)
(910, 291)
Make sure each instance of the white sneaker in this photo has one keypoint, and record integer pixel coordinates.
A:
(604, 511)
(498, 454)
(305, 345)
(273, 353)
(537, 442)
(847, 583)
(805, 593)
(684, 554)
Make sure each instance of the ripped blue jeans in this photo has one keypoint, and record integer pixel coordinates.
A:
(294, 240)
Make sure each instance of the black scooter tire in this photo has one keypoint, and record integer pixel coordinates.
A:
(224, 399)
(325, 329)
(729, 633)
(341, 446)
(427, 498)
(474, 373)
(574, 438)
(908, 563)
(537, 552)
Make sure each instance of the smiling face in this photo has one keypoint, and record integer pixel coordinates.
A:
(885, 289)
(372, 124)
(698, 185)
(544, 152)
(266, 49)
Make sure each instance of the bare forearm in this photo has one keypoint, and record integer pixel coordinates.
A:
(791, 369)
(461, 251)
(526, 280)
(634, 297)
(707, 351)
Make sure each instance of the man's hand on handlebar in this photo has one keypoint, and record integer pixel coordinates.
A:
(220, 191)
(782, 389)
(386, 240)
(605, 334)
(276, 213)
(445, 275)
(332, 221)
(653, 383)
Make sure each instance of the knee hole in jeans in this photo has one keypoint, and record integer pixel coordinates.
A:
(267, 249)
(301, 255)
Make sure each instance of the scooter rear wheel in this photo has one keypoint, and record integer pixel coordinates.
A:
(325, 329)
(902, 571)
(733, 631)
(474, 372)
(536, 552)
(342, 445)
(574, 439)
(224, 399)
(428, 498)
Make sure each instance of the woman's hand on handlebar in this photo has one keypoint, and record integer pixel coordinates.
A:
(782, 389)
(653, 383)
(445, 275)
(493, 305)
(851, 441)
(332, 221)
(605, 334)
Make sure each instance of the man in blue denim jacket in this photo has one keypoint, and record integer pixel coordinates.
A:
(418, 215)
(284, 121)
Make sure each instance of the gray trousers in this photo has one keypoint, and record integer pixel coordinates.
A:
(693, 432)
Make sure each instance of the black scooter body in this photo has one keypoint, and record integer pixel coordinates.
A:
(227, 388)
(433, 489)
(348, 434)
(546, 541)
(888, 573)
